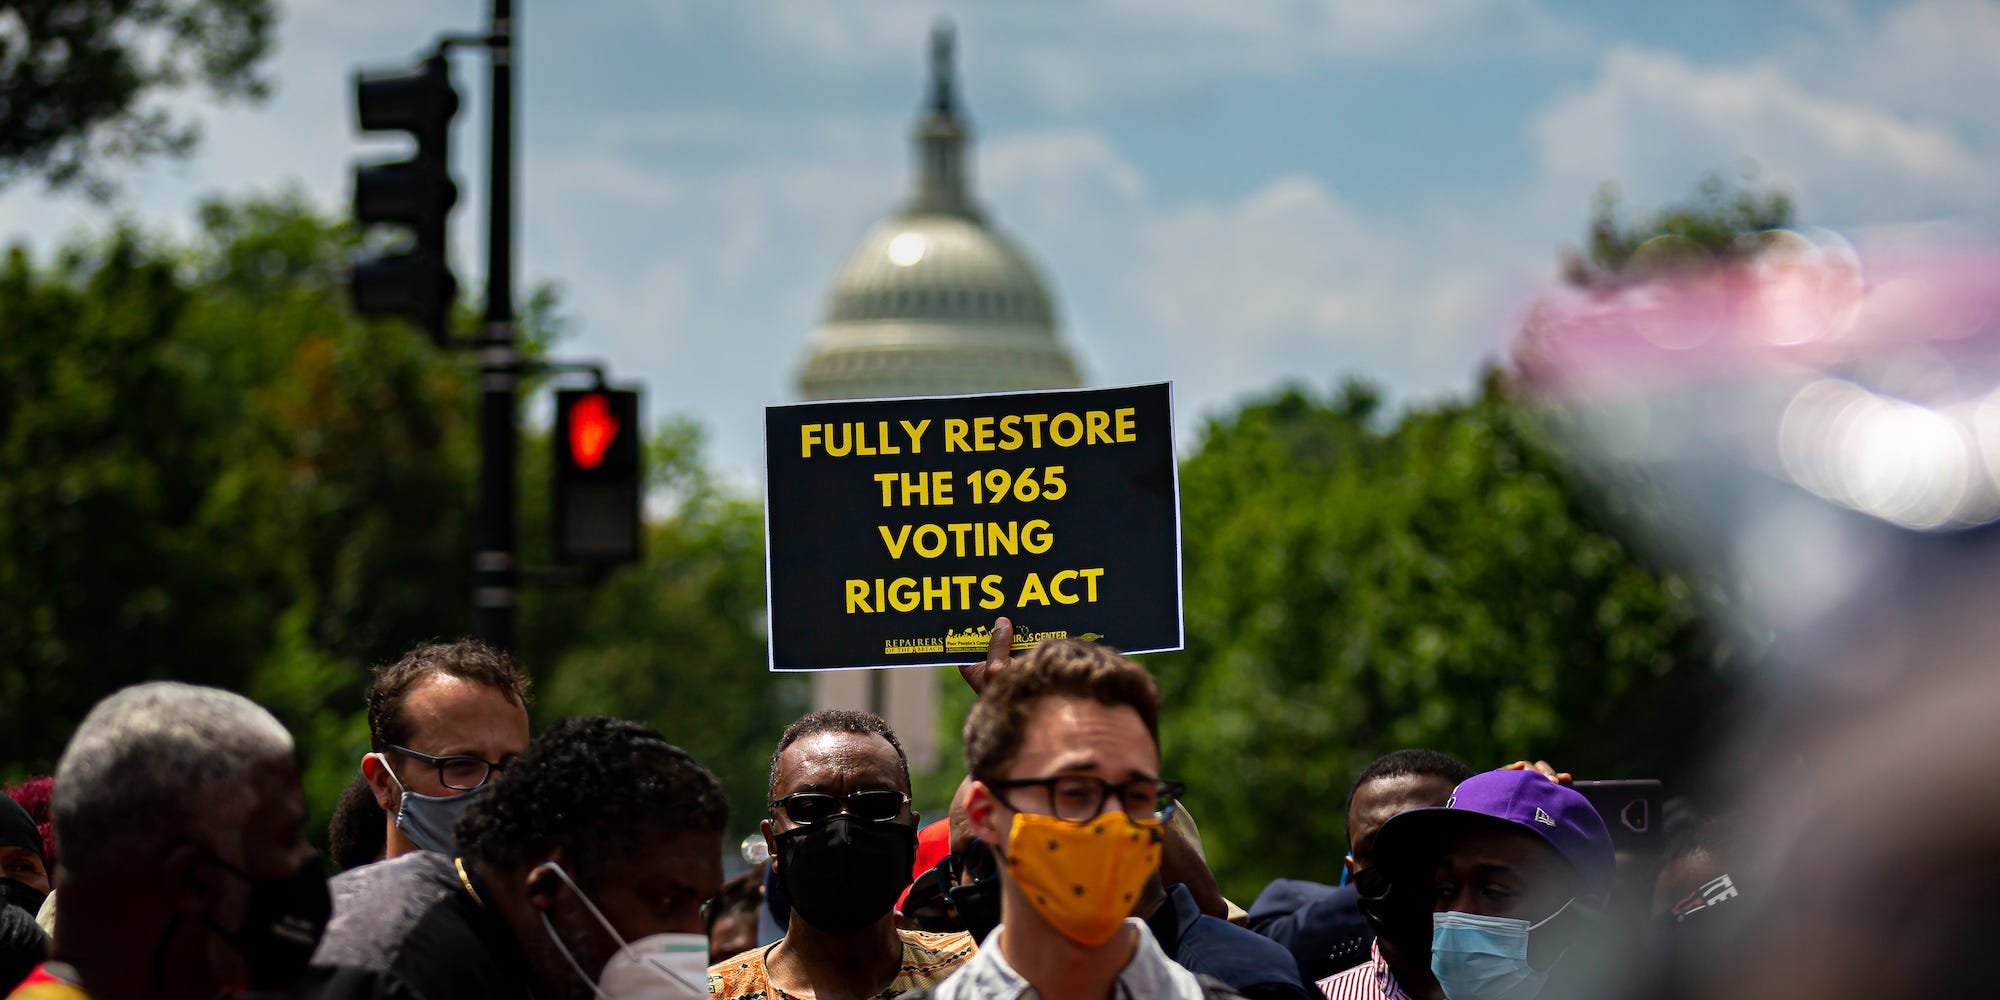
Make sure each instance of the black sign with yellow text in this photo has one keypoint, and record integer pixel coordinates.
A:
(896, 530)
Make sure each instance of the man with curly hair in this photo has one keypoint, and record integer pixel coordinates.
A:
(442, 721)
(584, 868)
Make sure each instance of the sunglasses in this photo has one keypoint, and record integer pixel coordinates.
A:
(872, 805)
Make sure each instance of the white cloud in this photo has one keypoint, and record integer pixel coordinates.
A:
(1228, 298)
(1932, 60)
(695, 237)
(1653, 122)
(1076, 55)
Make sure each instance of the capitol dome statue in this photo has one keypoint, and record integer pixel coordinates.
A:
(934, 301)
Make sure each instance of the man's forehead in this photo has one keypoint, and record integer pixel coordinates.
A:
(1522, 852)
(443, 693)
(1066, 733)
(1380, 799)
(455, 709)
(835, 756)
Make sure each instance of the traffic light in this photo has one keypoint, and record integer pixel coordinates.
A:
(417, 193)
(598, 475)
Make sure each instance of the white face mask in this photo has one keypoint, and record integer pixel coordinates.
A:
(655, 967)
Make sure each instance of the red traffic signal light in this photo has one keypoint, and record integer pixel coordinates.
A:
(592, 428)
(599, 475)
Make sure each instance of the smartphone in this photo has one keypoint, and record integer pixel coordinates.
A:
(1631, 809)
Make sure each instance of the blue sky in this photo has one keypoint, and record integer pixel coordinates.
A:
(1226, 195)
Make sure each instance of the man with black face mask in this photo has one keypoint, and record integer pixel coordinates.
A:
(186, 872)
(24, 873)
(963, 884)
(24, 883)
(843, 838)
(1397, 960)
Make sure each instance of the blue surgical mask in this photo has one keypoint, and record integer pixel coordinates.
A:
(428, 819)
(1486, 958)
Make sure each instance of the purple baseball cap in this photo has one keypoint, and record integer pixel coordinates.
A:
(1521, 800)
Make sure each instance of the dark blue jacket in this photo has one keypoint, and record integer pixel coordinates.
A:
(1321, 925)
(1252, 965)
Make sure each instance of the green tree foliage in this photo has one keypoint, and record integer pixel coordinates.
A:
(1354, 588)
(81, 80)
(1707, 226)
(209, 472)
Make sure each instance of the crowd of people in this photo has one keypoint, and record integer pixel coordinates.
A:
(171, 860)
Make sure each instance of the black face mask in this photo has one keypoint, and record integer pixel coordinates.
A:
(281, 926)
(978, 906)
(844, 874)
(14, 892)
(1397, 910)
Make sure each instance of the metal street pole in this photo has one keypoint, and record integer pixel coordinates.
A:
(495, 572)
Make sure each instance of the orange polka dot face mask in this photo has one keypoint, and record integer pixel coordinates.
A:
(1083, 878)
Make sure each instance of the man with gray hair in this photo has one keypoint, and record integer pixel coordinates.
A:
(185, 868)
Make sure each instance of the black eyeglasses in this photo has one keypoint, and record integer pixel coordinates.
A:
(1080, 798)
(976, 862)
(874, 805)
(463, 772)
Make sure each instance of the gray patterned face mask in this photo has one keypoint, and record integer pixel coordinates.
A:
(428, 819)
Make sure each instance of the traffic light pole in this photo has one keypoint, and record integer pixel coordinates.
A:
(496, 575)
(598, 476)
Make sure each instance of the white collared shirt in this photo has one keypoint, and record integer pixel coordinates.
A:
(1150, 974)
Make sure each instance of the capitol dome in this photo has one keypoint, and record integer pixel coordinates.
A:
(933, 301)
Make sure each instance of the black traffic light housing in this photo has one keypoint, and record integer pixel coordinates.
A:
(417, 194)
(599, 476)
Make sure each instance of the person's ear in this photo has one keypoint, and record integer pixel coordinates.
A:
(376, 771)
(186, 888)
(982, 814)
(770, 841)
(1347, 868)
(543, 885)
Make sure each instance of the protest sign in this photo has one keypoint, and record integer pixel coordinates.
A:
(896, 530)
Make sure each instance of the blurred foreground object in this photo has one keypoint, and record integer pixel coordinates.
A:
(1817, 428)
(1789, 418)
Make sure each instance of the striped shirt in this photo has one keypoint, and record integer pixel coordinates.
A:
(1371, 980)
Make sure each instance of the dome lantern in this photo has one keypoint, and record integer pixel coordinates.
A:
(940, 145)
(933, 300)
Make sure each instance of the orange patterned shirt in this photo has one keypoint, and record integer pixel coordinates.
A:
(927, 960)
